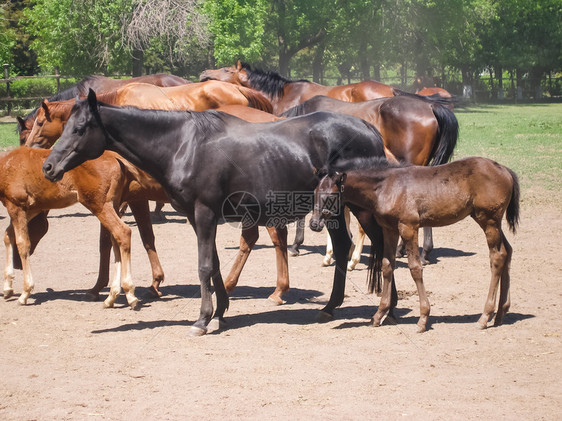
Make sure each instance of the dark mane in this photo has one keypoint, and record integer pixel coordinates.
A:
(205, 122)
(377, 162)
(271, 83)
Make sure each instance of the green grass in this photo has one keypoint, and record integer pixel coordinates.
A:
(526, 138)
(8, 136)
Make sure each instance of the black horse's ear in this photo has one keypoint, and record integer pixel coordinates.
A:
(92, 100)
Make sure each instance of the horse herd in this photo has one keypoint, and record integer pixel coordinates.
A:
(245, 139)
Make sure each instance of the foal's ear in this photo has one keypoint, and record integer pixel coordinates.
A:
(238, 65)
(21, 122)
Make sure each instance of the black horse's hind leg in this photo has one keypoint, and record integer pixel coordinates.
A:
(342, 245)
(299, 238)
(218, 321)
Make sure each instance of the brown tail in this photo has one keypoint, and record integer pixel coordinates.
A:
(512, 214)
(256, 99)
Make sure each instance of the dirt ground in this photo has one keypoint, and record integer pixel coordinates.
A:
(63, 358)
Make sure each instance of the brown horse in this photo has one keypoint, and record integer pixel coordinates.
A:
(99, 84)
(52, 116)
(415, 130)
(284, 93)
(403, 199)
(101, 186)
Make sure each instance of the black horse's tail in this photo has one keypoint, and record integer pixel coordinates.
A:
(512, 214)
(447, 134)
(374, 274)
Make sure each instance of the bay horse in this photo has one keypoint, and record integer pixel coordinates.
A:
(52, 116)
(99, 84)
(101, 185)
(284, 93)
(415, 130)
(404, 198)
(212, 164)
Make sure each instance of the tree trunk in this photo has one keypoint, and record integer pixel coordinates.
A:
(138, 61)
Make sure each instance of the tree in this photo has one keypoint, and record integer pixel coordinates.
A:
(14, 41)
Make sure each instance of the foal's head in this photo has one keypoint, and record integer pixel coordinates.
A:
(327, 198)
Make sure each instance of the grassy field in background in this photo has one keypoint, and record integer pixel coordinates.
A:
(526, 138)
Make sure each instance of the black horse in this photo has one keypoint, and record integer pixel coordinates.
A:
(212, 164)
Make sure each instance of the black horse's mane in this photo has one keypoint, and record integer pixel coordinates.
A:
(271, 83)
(295, 111)
(205, 122)
(374, 162)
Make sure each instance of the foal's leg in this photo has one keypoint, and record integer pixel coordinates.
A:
(498, 260)
(279, 238)
(141, 213)
(388, 287)
(248, 239)
(9, 275)
(410, 236)
(505, 299)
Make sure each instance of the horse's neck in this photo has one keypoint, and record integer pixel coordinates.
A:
(128, 135)
(363, 190)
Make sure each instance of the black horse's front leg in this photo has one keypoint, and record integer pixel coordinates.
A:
(204, 222)
(342, 244)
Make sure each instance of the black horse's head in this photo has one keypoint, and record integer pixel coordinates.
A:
(84, 138)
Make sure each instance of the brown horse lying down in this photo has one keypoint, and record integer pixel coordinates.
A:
(403, 199)
(101, 186)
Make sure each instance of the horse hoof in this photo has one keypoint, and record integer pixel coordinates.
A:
(351, 265)
(8, 293)
(217, 324)
(274, 299)
(153, 293)
(135, 304)
(107, 304)
(195, 331)
(293, 252)
(324, 317)
(327, 261)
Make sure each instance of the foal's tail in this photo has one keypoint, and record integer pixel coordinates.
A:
(512, 214)
(447, 134)
(256, 99)
(374, 274)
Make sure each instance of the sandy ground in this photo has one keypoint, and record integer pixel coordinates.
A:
(63, 358)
